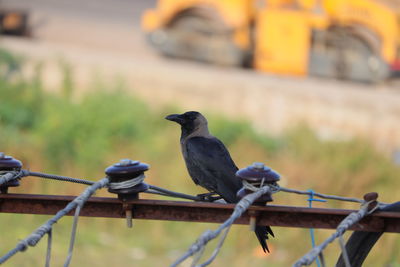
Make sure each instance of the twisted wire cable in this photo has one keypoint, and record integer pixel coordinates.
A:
(58, 177)
(155, 189)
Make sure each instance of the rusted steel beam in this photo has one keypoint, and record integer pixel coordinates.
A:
(199, 212)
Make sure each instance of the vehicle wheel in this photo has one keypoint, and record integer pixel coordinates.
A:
(358, 62)
(199, 38)
(346, 56)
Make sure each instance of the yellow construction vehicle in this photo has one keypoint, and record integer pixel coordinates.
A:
(14, 22)
(347, 39)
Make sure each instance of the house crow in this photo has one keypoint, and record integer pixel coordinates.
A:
(209, 163)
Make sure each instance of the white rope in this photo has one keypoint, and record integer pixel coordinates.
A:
(37, 235)
(73, 234)
(128, 183)
(217, 249)
(251, 186)
(344, 251)
(256, 186)
(209, 235)
(48, 251)
(7, 176)
(197, 257)
(347, 222)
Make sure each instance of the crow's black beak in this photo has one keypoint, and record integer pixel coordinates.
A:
(175, 117)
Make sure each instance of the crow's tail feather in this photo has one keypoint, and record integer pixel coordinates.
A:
(262, 235)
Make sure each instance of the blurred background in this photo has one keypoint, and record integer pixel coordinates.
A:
(308, 87)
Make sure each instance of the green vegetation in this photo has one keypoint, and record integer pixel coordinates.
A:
(80, 137)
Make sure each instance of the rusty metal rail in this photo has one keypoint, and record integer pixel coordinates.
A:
(199, 212)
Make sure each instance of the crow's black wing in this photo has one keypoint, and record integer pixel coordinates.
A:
(210, 163)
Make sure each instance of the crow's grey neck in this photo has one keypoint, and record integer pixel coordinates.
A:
(199, 131)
